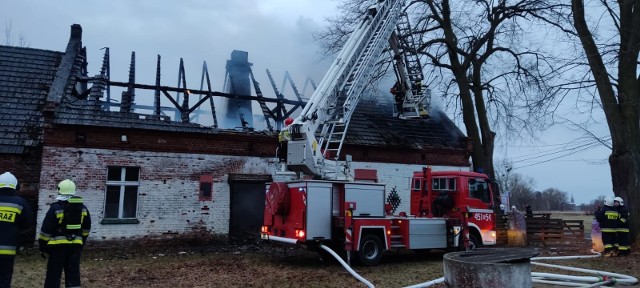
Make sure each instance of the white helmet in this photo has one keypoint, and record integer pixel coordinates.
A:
(7, 180)
(608, 201)
(619, 199)
(502, 206)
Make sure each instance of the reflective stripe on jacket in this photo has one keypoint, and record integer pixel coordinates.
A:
(15, 215)
(608, 218)
(52, 231)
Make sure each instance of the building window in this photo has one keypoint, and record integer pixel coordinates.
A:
(206, 188)
(122, 192)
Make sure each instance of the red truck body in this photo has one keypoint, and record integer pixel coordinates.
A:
(354, 216)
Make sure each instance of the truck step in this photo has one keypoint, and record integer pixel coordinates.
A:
(397, 245)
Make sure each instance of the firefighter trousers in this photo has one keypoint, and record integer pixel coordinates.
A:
(623, 241)
(67, 258)
(6, 270)
(609, 241)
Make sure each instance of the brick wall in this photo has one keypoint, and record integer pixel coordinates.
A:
(168, 192)
(171, 165)
(26, 167)
(398, 176)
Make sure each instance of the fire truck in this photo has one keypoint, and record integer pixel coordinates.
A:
(323, 205)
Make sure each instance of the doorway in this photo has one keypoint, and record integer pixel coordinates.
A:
(247, 206)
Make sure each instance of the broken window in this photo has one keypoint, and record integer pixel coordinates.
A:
(206, 188)
(122, 192)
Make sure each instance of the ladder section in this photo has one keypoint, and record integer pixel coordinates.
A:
(343, 102)
(398, 229)
(418, 102)
(408, 50)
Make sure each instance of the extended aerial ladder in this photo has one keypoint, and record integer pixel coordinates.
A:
(319, 132)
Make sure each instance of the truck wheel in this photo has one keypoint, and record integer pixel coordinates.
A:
(474, 241)
(370, 251)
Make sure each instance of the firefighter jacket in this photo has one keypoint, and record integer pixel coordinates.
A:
(56, 230)
(623, 223)
(608, 218)
(15, 215)
(284, 135)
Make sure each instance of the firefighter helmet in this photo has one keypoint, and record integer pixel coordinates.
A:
(619, 199)
(288, 121)
(7, 180)
(66, 187)
(608, 201)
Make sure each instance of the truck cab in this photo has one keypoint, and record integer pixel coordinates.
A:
(454, 195)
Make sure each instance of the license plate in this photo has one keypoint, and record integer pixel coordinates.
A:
(264, 236)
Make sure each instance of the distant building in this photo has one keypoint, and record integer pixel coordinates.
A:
(145, 175)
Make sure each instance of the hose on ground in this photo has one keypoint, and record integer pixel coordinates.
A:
(346, 266)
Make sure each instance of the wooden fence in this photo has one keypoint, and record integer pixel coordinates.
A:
(544, 230)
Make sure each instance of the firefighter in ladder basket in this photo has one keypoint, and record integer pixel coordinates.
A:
(283, 138)
(64, 232)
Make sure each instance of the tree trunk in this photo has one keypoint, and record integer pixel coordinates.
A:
(625, 175)
(620, 106)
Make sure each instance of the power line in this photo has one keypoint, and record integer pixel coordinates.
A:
(571, 152)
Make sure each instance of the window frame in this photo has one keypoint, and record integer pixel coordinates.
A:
(205, 179)
(448, 181)
(122, 183)
(487, 193)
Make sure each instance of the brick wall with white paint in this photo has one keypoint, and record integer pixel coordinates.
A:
(168, 195)
(398, 176)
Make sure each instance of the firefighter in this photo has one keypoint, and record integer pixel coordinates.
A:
(608, 218)
(15, 215)
(622, 236)
(64, 232)
(398, 95)
(283, 138)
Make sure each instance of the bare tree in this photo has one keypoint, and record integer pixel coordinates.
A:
(484, 66)
(10, 38)
(614, 66)
(521, 191)
(496, 75)
(553, 199)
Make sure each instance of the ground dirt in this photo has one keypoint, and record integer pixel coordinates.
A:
(256, 264)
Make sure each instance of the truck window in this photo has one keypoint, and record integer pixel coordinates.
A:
(444, 184)
(416, 183)
(479, 189)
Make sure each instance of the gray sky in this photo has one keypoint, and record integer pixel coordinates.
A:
(277, 35)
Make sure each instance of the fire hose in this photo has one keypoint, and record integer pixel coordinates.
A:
(346, 266)
(601, 278)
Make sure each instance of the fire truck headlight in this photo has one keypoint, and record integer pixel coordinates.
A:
(493, 234)
(264, 229)
(299, 233)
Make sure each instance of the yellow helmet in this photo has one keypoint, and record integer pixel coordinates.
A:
(7, 180)
(66, 187)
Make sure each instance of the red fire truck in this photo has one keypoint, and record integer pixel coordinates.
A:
(353, 216)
